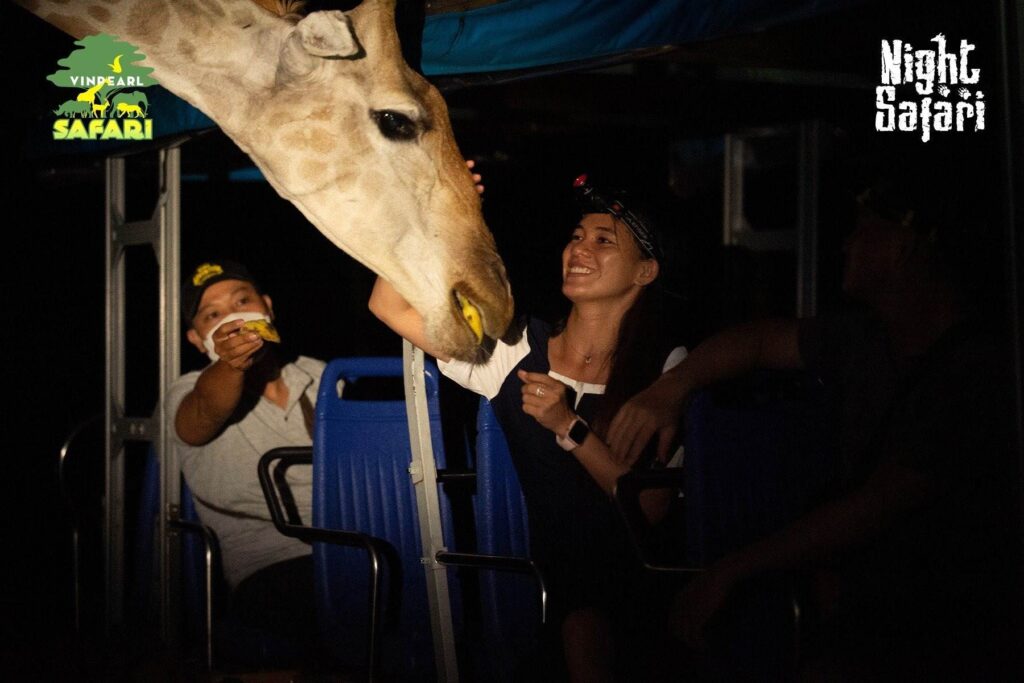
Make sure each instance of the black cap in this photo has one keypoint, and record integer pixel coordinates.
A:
(615, 202)
(204, 275)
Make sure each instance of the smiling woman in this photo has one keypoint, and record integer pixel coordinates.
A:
(602, 260)
(555, 391)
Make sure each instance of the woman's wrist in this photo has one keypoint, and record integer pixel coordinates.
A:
(562, 431)
(576, 432)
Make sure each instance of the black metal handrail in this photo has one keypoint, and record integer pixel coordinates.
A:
(627, 499)
(507, 563)
(63, 454)
(377, 549)
(211, 549)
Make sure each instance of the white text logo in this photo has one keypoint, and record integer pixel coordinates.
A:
(944, 96)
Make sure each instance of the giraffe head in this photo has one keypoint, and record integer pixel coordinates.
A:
(341, 127)
(363, 146)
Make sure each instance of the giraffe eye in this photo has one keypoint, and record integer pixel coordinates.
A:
(393, 125)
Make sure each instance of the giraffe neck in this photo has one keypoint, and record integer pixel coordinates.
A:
(213, 53)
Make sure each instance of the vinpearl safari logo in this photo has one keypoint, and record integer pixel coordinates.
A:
(928, 90)
(107, 102)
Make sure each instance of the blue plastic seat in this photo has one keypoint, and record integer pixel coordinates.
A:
(192, 548)
(193, 553)
(204, 593)
(510, 608)
(752, 467)
(193, 567)
(361, 459)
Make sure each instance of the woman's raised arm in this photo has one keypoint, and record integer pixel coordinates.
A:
(395, 312)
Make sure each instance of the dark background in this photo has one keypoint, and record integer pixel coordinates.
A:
(656, 123)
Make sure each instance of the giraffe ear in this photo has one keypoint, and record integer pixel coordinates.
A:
(328, 34)
(320, 35)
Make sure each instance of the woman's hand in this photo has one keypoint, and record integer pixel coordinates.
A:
(544, 400)
(477, 178)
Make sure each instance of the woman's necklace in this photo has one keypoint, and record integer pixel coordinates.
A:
(587, 357)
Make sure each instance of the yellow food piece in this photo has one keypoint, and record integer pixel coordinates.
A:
(472, 316)
(265, 329)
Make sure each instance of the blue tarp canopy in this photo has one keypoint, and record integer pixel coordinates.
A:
(526, 34)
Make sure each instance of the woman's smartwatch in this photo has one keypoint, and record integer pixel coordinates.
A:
(578, 431)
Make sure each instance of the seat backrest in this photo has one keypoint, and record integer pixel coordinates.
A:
(193, 566)
(361, 480)
(193, 560)
(141, 595)
(501, 520)
(234, 641)
(145, 571)
(751, 468)
(509, 612)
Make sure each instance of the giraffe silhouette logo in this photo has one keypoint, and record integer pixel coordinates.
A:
(109, 102)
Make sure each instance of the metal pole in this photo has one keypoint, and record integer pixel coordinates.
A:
(807, 221)
(423, 470)
(113, 508)
(168, 256)
(1010, 26)
(732, 190)
(162, 232)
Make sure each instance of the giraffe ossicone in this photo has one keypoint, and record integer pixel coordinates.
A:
(340, 126)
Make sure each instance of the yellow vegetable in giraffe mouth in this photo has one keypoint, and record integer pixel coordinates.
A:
(472, 317)
(265, 329)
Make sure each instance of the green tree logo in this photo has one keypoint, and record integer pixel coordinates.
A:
(100, 71)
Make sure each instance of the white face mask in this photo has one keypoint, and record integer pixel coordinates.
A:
(241, 315)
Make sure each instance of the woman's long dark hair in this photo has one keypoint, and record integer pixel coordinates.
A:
(640, 352)
(646, 330)
(641, 348)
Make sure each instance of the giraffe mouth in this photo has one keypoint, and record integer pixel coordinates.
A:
(472, 317)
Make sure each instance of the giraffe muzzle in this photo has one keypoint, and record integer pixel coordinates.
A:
(472, 317)
(471, 314)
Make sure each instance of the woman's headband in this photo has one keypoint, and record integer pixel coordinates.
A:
(593, 200)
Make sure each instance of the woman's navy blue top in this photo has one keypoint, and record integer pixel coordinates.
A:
(576, 535)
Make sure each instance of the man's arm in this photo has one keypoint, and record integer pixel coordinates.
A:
(205, 410)
(889, 493)
(728, 354)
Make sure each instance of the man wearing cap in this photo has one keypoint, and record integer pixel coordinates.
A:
(241, 405)
(916, 546)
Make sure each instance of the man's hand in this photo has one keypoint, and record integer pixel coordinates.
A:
(696, 604)
(656, 409)
(544, 400)
(236, 347)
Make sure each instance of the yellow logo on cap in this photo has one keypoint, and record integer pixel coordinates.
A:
(205, 272)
